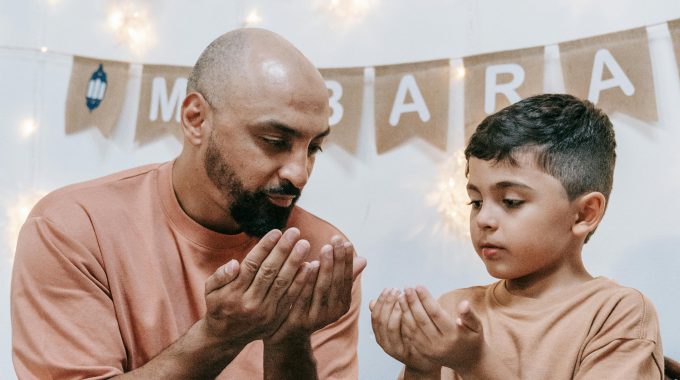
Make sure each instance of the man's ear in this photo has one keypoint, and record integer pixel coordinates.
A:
(194, 114)
(590, 209)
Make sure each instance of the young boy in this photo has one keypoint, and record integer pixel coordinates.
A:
(539, 176)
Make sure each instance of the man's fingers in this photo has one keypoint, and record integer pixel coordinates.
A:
(251, 263)
(341, 285)
(289, 270)
(467, 318)
(321, 296)
(293, 291)
(358, 266)
(222, 276)
(271, 265)
(302, 303)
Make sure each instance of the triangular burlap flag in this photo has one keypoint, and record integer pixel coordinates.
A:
(96, 92)
(346, 94)
(411, 99)
(614, 71)
(494, 81)
(674, 28)
(160, 101)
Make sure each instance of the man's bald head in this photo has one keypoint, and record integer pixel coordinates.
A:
(244, 60)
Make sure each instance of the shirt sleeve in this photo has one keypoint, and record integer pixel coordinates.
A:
(627, 345)
(63, 319)
(623, 359)
(335, 346)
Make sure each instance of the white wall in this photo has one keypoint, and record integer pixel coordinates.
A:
(378, 201)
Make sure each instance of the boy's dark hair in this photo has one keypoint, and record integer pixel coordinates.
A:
(571, 140)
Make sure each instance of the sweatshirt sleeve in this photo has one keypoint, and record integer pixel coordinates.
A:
(63, 319)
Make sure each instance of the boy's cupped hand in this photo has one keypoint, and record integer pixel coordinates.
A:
(415, 329)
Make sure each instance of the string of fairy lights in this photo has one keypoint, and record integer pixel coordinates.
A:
(130, 25)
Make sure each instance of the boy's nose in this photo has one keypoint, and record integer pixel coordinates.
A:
(485, 219)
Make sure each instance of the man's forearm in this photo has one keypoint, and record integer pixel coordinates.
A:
(195, 355)
(292, 359)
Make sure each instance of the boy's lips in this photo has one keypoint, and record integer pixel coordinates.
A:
(489, 251)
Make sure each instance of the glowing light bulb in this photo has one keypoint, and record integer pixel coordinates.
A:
(27, 128)
(349, 11)
(43, 49)
(131, 27)
(253, 18)
(450, 198)
(460, 72)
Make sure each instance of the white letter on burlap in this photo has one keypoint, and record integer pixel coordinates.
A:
(408, 85)
(159, 99)
(334, 102)
(508, 89)
(619, 79)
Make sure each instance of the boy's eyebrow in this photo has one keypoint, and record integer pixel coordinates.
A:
(509, 184)
(502, 185)
(287, 130)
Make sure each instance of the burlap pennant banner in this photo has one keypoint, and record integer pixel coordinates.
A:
(160, 101)
(674, 28)
(497, 80)
(346, 94)
(411, 99)
(96, 93)
(614, 71)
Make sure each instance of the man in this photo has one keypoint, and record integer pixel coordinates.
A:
(157, 272)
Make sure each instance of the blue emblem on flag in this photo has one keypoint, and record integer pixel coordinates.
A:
(96, 88)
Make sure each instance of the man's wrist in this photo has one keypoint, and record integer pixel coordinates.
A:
(416, 373)
(295, 342)
(290, 357)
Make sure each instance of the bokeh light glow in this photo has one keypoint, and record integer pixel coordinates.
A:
(451, 199)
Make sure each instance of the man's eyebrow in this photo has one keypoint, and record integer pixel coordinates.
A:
(510, 184)
(287, 130)
(472, 187)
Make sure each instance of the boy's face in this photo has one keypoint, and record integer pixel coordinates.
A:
(521, 219)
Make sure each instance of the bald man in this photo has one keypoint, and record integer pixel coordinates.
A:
(202, 267)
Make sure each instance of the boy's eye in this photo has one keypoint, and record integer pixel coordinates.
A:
(512, 203)
(475, 204)
(314, 149)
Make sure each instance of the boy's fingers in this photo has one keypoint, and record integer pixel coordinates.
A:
(467, 318)
(438, 315)
(420, 315)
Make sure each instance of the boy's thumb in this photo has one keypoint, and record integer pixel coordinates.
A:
(468, 319)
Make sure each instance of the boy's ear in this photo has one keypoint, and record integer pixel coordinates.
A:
(194, 113)
(590, 209)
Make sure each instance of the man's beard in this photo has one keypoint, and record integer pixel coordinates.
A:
(251, 210)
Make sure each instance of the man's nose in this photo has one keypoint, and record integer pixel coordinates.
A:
(296, 170)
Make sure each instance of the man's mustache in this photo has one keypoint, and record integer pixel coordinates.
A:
(286, 188)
